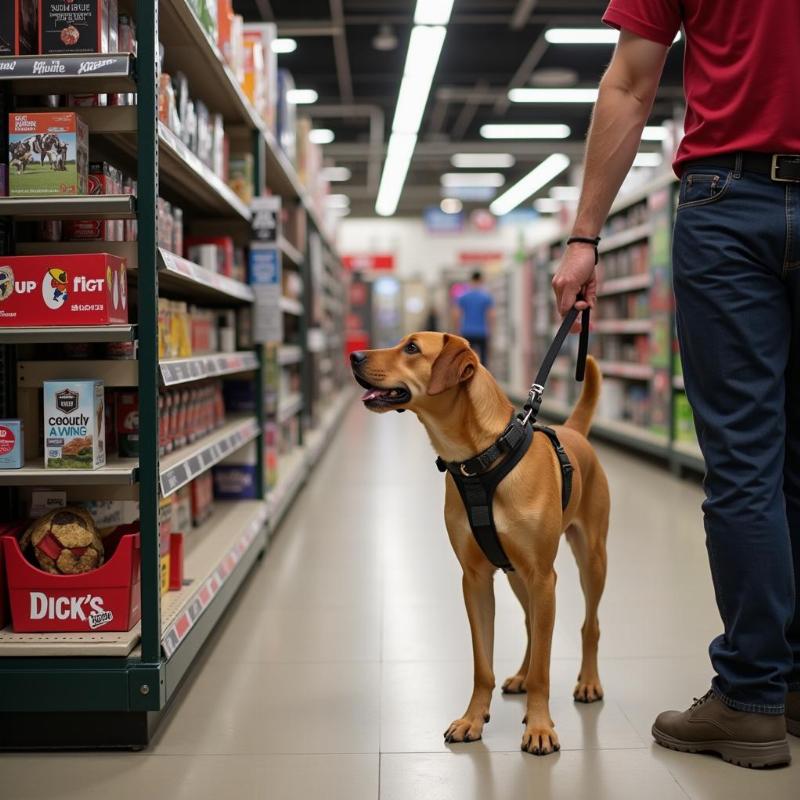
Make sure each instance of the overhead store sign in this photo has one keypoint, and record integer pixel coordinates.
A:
(436, 221)
(369, 261)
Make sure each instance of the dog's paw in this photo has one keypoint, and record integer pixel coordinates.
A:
(541, 740)
(588, 691)
(514, 685)
(466, 729)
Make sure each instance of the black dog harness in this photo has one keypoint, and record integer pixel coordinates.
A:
(478, 477)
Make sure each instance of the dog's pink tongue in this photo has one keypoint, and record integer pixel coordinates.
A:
(371, 394)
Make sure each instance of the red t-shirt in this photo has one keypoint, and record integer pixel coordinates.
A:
(741, 70)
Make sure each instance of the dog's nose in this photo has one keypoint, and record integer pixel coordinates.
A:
(358, 358)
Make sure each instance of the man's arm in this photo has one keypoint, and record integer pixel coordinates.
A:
(623, 106)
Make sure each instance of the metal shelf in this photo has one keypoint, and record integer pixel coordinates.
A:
(68, 74)
(95, 333)
(108, 206)
(622, 239)
(623, 326)
(622, 369)
(198, 282)
(117, 471)
(184, 465)
(290, 251)
(114, 372)
(196, 368)
(291, 306)
(630, 283)
(289, 406)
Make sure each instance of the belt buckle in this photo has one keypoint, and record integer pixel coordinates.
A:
(773, 173)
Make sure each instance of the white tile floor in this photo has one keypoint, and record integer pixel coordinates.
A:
(347, 654)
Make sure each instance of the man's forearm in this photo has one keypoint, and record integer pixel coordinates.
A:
(612, 144)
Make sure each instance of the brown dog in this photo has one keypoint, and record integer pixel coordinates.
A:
(439, 378)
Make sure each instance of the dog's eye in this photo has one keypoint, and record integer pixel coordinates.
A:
(411, 349)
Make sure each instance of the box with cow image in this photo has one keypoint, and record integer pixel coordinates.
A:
(70, 289)
(48, 154)
(18, 27)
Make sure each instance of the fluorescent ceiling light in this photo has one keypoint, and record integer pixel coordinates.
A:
(470, 194)
(647, 160)
(482, 160)
(433, 12)
(512, 131)
(537, 178)
(301, 97)
(321, 135)
(398, 157)
(565, 193)
(587, 36)
(547, 205)
(654, 133)
(552, 95)
(339, 212)
(336, 174)
(451, 205)
(424, 48)
(284, 45)
(337, 201)
(473, 179)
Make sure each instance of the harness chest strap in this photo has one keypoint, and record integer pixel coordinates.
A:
(477, 482)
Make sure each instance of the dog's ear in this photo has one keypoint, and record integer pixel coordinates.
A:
(455, 364)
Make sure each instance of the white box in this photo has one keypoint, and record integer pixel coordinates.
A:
(74, 424)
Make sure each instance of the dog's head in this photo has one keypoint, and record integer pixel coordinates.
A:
(418, 371)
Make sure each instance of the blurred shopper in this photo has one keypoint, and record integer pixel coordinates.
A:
(476, 316)
(736, 270)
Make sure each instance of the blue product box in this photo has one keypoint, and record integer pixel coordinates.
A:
(235, 481)
(12, 446)
(240, 396)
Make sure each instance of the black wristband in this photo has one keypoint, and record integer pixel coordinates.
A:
(592, 240)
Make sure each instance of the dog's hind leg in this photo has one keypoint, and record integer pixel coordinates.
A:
(516, 683)
(589, 549)
(479, 599)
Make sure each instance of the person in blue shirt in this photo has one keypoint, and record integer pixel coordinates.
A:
(476, 316)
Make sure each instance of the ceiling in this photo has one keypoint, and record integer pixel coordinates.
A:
(491, 46)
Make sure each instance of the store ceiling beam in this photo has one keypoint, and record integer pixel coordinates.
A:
(343, 73)
(522, 13)
(523, 73)
(296, 28)
(436, 150)
(438, 116)
(467, 113)
(475, 19)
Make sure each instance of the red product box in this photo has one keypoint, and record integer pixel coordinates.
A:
(224, 248)
(103, 179)
(176, 562)
(18, 20)
(75, 289)
(105, 599)
(77, 26)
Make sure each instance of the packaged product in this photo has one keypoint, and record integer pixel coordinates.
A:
(49, 154)
(202, 247)
(46, 500)
(130, 227)
(235, 476)
(127, 414)
(241, 168)
(12, 449)
(202, 498)
(103, 179)
(224, 32)
(71, 289)
(18, 27)
(74, 424)
(176, 562)
(164, 534)
(111, 513)
(286, 114)
(87, 100)
(182, 509)
(237, 47)
(253, 80)
(86, 26)
(265, 33)
(126, 35)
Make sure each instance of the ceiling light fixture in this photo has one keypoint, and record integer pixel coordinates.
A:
(513, 131)
(301, 97)
(524, 95)
(654, 133)
(537, 178)
(567, 194)
(494, 179)
(470, 194)
(547, 205)
(482, 160)
(398, 157)
(337, 201)
(433, 12)
(451, 205)
(284, 45)
(586, 36)
(648, 160)
(321, 136)
(385, 39)
(336, 174)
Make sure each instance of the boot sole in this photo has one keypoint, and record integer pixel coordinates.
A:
(793, 726)
(754, 755)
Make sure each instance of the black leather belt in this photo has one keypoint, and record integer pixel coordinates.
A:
(780, 167)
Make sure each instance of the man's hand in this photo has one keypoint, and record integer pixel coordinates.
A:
(576, 275)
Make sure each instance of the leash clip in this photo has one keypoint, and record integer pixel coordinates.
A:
(535, 395)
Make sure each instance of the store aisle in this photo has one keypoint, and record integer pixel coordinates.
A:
(347, 655)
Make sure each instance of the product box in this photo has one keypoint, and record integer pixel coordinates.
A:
(253, 77)
(105, 599)
(127, 414)
(112, 513)
(73, 289)
(77, 26)
(211, 252)
(74, 424)
(12, 449)
(176, 562)
(265, 33)
(202, 498)
(164, 536)
(18, 27)
(235, 476)
(48, 154)
(103, 179)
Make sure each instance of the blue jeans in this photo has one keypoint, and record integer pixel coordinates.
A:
(736, 268)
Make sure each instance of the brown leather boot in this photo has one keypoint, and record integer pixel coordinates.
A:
(740, 737)
(793, 713)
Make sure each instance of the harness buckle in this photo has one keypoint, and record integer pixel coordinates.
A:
(463, 470)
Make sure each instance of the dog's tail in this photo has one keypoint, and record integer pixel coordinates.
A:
(581, 417)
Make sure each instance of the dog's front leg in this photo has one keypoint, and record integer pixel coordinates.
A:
(540, 737)
(479, 599)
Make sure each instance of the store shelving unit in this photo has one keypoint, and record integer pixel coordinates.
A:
(108, 689)
(633, 330)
